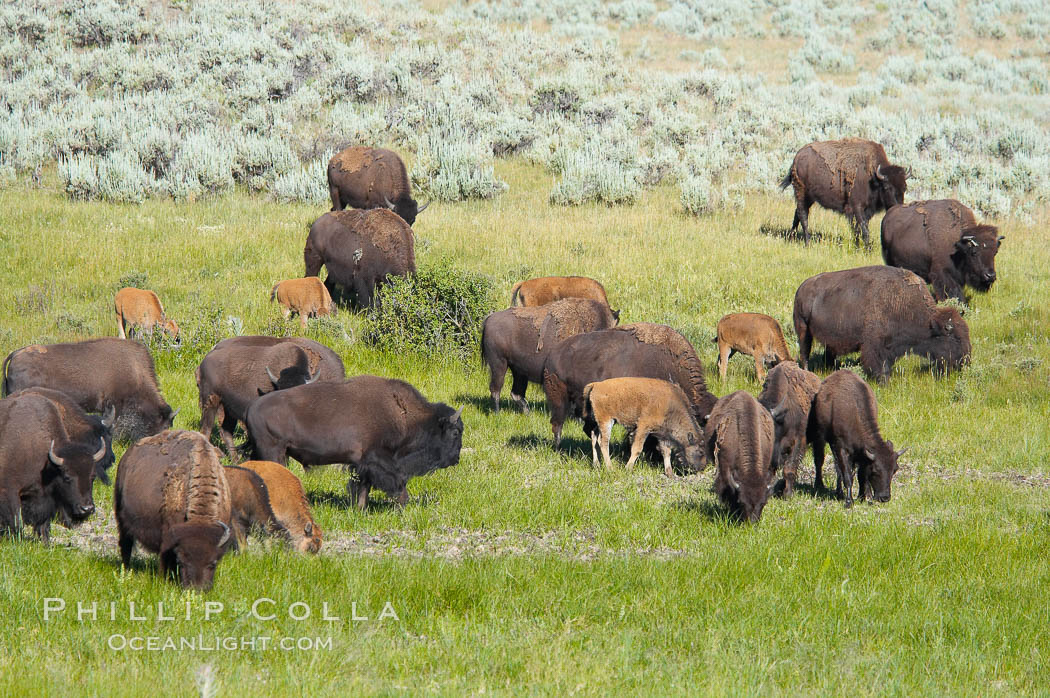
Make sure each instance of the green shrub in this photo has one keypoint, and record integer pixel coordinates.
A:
(438, 311)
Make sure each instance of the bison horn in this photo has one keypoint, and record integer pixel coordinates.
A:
(422, 208)
(869, 454)
(312, 378)
(1001, 238)
(225, 534)
(456, 417)
(878, 174)
(51, 455)
(907, 173)
(101, 452)
(175, 414)
(273, 378)
(970, 240)
(902, 451)
(777, 413)
(389, 205)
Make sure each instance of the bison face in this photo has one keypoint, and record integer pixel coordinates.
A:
(950, 339)
(193, 550)
(891, 183)
(68, 477)
(744, 500)
(310, 541)
(975, 255)
(693, 454)
(450, 439)
(883, 467)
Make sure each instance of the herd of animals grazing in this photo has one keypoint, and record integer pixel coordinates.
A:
(64, 403)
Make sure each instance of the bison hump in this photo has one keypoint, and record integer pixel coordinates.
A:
(354, 158)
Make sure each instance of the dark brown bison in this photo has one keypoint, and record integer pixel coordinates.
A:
(852, 176)
(97, 374)
(641, 349)
(884, 312)
(845, 417)
(44, 472)
(381, 427)
(739, 439)
(171, 496)
(521, 338)
(941, 242)
(81, 426)
(359, 249)
(233, 375)
(548, 289)
(788, 395)
(363, 177)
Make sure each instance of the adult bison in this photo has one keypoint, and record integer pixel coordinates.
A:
(942, 242)
(233, 375)
(641, 349)
(43, 471)
(363, 177)
(381, 427)
(884, 312)
(738, 437)
(788, 395)
(359, 249)
(852, 176)
(97, 374)
(521, 338)
(172, 498)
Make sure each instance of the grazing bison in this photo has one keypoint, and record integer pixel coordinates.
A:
(753, 334)
(884, 312)
(852, 176)
(521, 338)
(250, 505)
(44, 471)
(648, 406)
(98, 374)
(381, 427)
(363, 177)
(788, 395)
(738, 436)
(845, 417)
(941, 242)
(307, 296)
(288, 503)
(322, 358)
(548, 289)
(142, 309)
(359, 249)
(81, 426)
(641, 349)
(233, 375)
(171, 496)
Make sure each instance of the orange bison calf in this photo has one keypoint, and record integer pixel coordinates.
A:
(307, 296)
(649, 406)
(548, 289)
(268, 496)
(140, 308)
(753, 334)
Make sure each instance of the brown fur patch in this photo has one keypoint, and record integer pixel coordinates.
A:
(35, 349)
(846, 157)
(387, 230)
(195, 485)
(534, 314)
(353, 158)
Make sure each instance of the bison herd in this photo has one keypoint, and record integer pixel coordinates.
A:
(64, 403)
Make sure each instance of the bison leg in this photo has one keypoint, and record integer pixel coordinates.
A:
(126, 544)
(313, 262)
(43, 531)
(760, 369)
(790, 468)
(558, 398)
(605, 436)
(805, 342)
(665, 451)
(10, 514)
(518, 388)
(497, 374)
(818, 463)
(337, 205)
(863, 481)
(302, 320)
(844, 466)
(802, 204)
(725, 353)
(365, 289)
(226, 429)
(640, 435)
(402, 497)
(209, 410)
(120, 327)
(359, 490)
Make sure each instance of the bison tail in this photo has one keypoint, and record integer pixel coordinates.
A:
(786, 182)
(585, 408)
(273, 291)
(515, 298)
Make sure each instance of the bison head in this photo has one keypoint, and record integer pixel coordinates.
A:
(974, 255)
(890, 182)
(192, 550)
(693, 452)
(310, 541)
(744, 499)
(68, 477)
(450, 438)
(883, 466)
(171, 328)
(406, 207)
(949, 343)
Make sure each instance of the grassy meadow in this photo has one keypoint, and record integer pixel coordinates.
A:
(524, 569)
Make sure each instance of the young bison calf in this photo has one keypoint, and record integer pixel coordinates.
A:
(307, 296)
(139, 308)
(287, 504)
(649, 406)
(753, 334)
(845, 416)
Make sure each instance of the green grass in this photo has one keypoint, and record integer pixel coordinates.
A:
(522, 568)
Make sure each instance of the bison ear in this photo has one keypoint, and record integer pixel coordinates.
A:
(616, 313)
